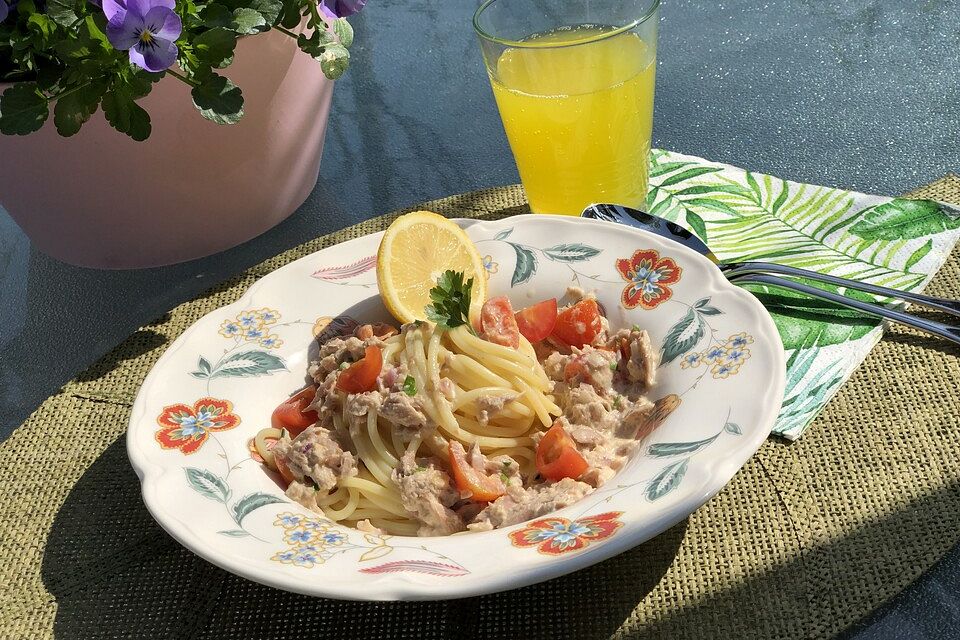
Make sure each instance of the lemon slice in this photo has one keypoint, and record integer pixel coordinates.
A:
(416, 249)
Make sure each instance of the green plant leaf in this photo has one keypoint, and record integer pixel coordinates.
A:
(76, 107)
(682, 337)
(526, 265)
(667, 480)
(696, 223)
(919, 254)
(343, 31)
(23, 109)
(215, 47)
(269, 9)
(219, 100)
(217, 15)
(248, 364)
(125, 115)
(667, 449)
(247, 21)
(207, 484)
(203, 369)
(252, 502)
(234, 533)
(503, 235)
(334, 60)
(902, 219)
(62, 12)
(574, 252)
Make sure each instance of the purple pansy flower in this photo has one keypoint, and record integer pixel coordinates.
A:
(148, 28)
(4, 10)
(334, 9)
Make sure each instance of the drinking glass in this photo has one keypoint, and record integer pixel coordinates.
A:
(574, 85)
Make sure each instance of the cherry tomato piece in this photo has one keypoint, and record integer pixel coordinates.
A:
(481, 488)
(291, 414)
(557, 455)
(498, 322)
(537, 321)
(284, 470)
(362, 375)
(579, 324)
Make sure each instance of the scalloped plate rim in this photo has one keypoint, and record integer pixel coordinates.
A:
(401, 587)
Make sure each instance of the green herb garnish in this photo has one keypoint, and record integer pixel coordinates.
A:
(616, 402)
(636, 327)
(613, 366)
(344, 365)
(410, 386)
(450, 306)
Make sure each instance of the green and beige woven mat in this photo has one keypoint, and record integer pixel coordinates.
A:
(743, 216)
(807, 538)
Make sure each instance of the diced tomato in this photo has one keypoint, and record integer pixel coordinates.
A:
(576, 368)
(362, 375)
(557, 455)
(291, 414)
(498, 323)
(482, 488)
(284, 470)
(537, 321)
(579, 324)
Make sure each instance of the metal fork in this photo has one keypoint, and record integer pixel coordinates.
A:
(759, 273)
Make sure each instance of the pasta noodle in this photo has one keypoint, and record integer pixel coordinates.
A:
(452, 370)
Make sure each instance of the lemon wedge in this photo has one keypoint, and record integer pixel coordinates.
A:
(415, 250)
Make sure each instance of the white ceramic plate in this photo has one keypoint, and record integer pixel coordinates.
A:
(217, 385)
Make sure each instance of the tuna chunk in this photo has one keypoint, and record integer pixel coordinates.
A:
(334, 352)
(519, 504)
(489, 406)
(360, 404)
(642, 366)
(588, 365)
(316, 461)
(427, 493)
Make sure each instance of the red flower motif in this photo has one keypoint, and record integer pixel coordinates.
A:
(649, 276)
(554, 536)
(187, 428)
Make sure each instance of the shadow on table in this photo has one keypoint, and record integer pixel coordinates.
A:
(115, 573)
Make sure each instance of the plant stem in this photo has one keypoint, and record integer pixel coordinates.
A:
(67, 92)
(182, 78)
(286, 31)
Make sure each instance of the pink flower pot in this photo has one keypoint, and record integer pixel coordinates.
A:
(99, 199)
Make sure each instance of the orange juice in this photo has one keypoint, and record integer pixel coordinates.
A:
(578, 118)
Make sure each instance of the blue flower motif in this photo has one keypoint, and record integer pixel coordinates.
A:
(285, 556)
(299, 536)
(289, 520)
(253, 333)
(267, 316)
(334, 538)
(271, 341)
(230, 329)
(737, 356)
(713, 354)
(691, 360)
(248, 319)
(316, 524)
(306, 558)
(739, 340)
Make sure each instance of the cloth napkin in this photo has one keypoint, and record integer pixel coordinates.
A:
(742, 215)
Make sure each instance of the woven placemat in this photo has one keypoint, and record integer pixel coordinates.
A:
(808, 538)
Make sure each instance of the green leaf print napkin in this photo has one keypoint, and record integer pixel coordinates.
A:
(751, 216)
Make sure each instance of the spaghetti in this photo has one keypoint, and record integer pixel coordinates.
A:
(451, 371)
(441, 428)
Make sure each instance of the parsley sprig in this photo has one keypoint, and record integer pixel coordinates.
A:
(450, 306)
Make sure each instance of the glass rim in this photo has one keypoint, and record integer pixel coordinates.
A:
(654, 5)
